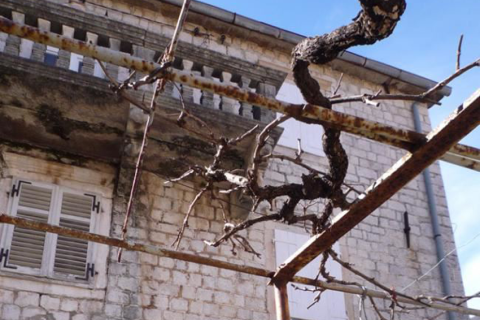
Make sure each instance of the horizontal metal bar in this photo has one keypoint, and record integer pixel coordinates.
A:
(455, 127)
(405, 139)
(461, 161)
(157, 251)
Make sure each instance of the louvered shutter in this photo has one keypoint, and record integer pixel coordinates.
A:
(72, 255)
(27, 247)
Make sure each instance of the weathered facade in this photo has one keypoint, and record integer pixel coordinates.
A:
(68, 143)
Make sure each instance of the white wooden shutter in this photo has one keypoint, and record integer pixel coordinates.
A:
(310, 135)
(27, 247)
(332, 304)
(72, 255)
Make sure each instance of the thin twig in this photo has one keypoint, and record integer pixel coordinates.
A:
(244, 136)
(120, 90)
(296, 161)
(186, 114)
(459, 52)
(372, 280)
(299, 162)
(464, 299)
(242, 226)
(445, 82)
(424, 97)
(374, 305)
(317, 290)
(158, 88)
(260, 143)
(337, 87)
(199, 195)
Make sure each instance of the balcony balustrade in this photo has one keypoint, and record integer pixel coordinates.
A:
(59, 58)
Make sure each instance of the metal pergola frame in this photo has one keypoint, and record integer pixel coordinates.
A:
(441, 143)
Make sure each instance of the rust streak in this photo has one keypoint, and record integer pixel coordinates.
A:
(405, 139)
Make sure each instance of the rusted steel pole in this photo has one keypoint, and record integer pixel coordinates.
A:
(281, 301)
(190, 257)
(461, 161)
(405, 139)
(461, 122)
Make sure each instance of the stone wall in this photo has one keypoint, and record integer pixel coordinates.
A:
(147, 287)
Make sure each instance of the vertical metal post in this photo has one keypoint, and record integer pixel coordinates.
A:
(432, 208)
(281, 300)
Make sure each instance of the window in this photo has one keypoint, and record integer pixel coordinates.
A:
(293, 130)
(26, 47)
(98, 71)
(51, 56)
(76, 62)
(45, 254)
(331, 305)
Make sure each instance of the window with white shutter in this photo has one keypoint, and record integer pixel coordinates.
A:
(72, 255)
(331, 305)
(46, 254)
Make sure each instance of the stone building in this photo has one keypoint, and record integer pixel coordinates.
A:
(68, 148)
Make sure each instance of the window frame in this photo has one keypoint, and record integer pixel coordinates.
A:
(50, 245)
(51, 52)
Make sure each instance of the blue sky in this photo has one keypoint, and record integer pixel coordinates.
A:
(425, 43)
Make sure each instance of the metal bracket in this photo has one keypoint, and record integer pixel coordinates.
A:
(95, 203)
(407, 228)
(4, 258)
(89, 273)
(16, 188)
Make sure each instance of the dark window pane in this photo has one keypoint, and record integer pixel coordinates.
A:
(50, 59)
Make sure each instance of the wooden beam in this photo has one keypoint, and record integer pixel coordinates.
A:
(465, 119)
(405, 139)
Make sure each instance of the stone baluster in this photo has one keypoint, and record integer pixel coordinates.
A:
(246, 108)
(3, 41)
(143, 53)
(169, 90)
(175, 87)
(113, 70)
(13, 42)
(270, 91)
(186, 90)
(26, 48)
(229, 105)
(207, 97)
(197, 93)
(217, 100)
(147, 55)
(89, 63)
(38, 50)
(64, 56)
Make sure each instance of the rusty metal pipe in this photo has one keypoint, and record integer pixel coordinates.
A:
(405, 139)
(461, 122)
(189, 257)
(281, 301)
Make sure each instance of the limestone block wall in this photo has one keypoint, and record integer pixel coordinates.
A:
(147, 287)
